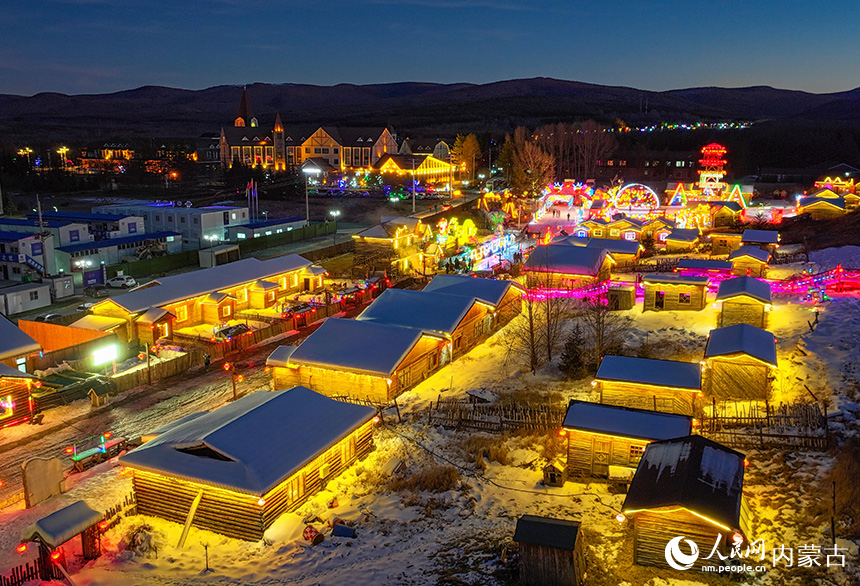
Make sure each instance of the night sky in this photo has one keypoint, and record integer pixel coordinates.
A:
(95, 46)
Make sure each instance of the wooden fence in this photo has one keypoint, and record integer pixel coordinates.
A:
(157, 371)
(491, 418)
(38, 569)
(662, 265)
(782, 259)
(795, 425)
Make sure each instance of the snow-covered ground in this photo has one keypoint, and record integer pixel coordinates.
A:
(457, 534)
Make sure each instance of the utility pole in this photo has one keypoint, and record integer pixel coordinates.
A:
(41, 234)
(413, 184)
(148, 370)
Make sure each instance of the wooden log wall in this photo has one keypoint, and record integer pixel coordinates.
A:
(749, 266)
(582, 460)
(736, 378)
(671, 297)
(653, 530)
(743, 310)
(662, 399)
(545, 566)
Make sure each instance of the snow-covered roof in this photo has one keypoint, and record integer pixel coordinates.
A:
(487, 290)
(61, 526)
(625, 422)
(613, 245)
(564, 258)
(683, 235)
(742, 339)
(836, 202)
(547, 532)
(98, 322)
(731, 205)
(188, 285)
(752, 252)
(676, 280)
(377, 231)
(748, 286)
(14, 342)
(432, 312)
(691, 472)
(153, 315)
(261, 285)
(648, 371)
(365, 346)
(761, 236)
(254, 443)
(216, 297)
(7, 371)
(280, 356)
(705, 264)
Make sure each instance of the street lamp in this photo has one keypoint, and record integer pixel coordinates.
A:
(62, 152)
(334, 214)
(308, 171)
(25, 152)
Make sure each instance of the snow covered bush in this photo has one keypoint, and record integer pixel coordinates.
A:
(432, 478)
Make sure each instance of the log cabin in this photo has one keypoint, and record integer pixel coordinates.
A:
(767, 240)
(18, 349)
(644, 383)
(674, 293)
(724, 242)
(690, 487)
(593, 227)
(464, 321)
(820, 208)
(505, 296)
(682, 240)
(740, 363)
(236, 469)
(658, 229)
(562, 266)
(744, 300)
(360, 359)
(393, 244)
(17, 405)
(750, 261)
(698, 267)
(607, 441)
(624, 252)
(208, 296)
(725, 213)
(550, 551)
(629, 229)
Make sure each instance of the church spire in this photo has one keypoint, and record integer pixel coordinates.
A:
(279, 126)
(244, 116)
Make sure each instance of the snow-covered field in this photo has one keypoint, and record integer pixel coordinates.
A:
(453, 527)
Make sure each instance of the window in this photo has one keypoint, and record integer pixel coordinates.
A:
(404, 377)
(613, 232)
(663, 236)
(132, 227)
(226, 310)
(479, 328)
(598, 232)
(324, 151)
(294, 280)
(317, 151)
(630, 236)
(684, 298)
(182, 219)
(157, 217)
(347, 450)
(34, 295)
(636, 454)
(74, 235)
(308, 150)
(458, 342)
(242, 295)
(181, 313)
(196, 220)
(335, 150)
(21, 364)
(296, 487)
(679, 163)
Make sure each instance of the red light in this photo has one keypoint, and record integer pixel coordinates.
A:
(737, 538)
(376, 419)
(70, 450)
(562, 432)
(21, 548)
(226, 366)
(746, 462)
(620, 517)
(103, 525)
(107, 435)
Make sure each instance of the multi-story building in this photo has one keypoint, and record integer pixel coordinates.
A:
(97, 226)
(278, 147)
(677, 166)
(198, 226)
(24, 256)
(64, 232)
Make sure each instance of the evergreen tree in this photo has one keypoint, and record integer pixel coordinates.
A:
(575, 355)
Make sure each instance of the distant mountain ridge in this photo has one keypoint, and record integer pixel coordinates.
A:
(155, 111)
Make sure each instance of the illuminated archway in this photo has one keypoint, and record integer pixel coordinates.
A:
(636, 197)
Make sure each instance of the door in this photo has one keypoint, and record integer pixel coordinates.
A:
(659, 298)
(600, 451)
(307, 284)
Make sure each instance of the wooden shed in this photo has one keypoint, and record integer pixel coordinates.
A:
(608, 441)
(767, 240)
(623, 251)
(750, 261)
(820, 208)
(740, 363)
(562, 266)
(236, 469)
(658, 228)
(17, 405)
(688, 487)
(725, 213)
(550, 552)
(682, 240)
(359, 359)
(644, 383)
(724, 242)
(465, 321)
(674, 293)
(505, 296)
(744, 300)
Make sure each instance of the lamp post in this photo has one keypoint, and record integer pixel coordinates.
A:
(308, 171)
(334, 214)
(25, 152)
(62, 152)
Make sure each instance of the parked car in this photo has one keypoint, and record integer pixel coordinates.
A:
(85, 306)
(96, 291)
(48, 317)
(231, 332)
(121, 282)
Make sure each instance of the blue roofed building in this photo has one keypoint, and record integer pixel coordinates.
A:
(668, 386)
(264, 228)
(740, 363)
(80, 258)
(101, 226)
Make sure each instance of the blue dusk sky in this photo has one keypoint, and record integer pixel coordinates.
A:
(97, 46)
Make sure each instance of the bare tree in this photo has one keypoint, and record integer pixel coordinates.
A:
(591, 143)
(605, 330)
(533, 170)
